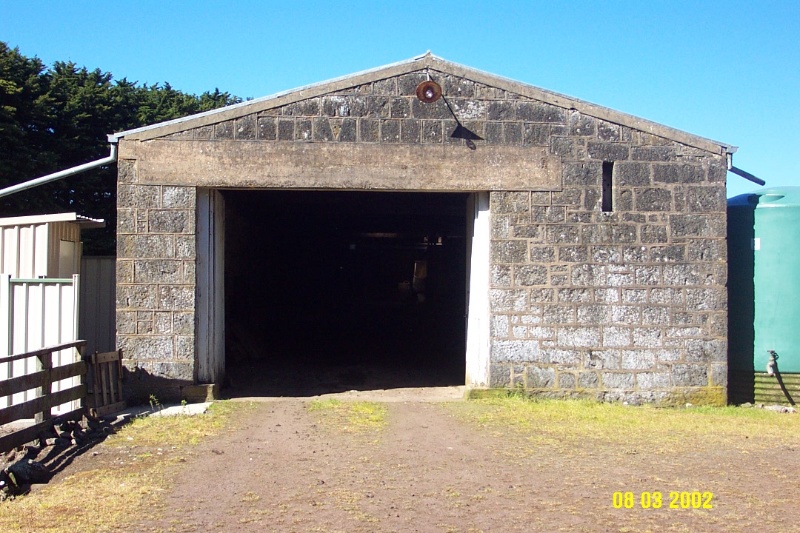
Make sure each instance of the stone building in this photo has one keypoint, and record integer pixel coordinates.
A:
(498, 236)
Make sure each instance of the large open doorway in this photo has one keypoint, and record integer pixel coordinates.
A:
(335, 291)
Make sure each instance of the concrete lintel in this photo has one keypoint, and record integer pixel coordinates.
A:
(252, 164)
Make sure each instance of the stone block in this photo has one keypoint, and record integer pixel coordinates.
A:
(400, 108)
(618, 380)
(527, 231)
(184, 347)
(500, 275)
(678, 173)
(126, 322)
(565, 357)
(588, 380)
(388, 86)
(630, 174)
(608, 295)
(456, 87)
(653, 153)
(719, 374)
(245, 128)
(689, 375)
(468, 109)
(432, 131)
(615, 337)
(321, 130)
(541, 295)
(304, 130)
(562, 146)
(499, 326)
(158, 271)
(126, 171)
(566, 380)
(706, 299)
(582, 125)
(437, 110)
(634, 296)
(539, 112)
(653, 199)
(527, 275)
(542, 254)
(126, 221)
(573, 254)
(146, 347)
(162, 322)
(540, 378)
(607, 131)
(223, 131)
(574, 295)
(183, 322)
(176, 298)
(637, 359)
(171, 221)
(502, 110)
(508, 300)
(652, 380)
(204, 133)
(704, 350)
(602, 359)
(368, 130)
(508, 251)
(185, 246)
(139, 196)
(267, 129)
(705, 199)
(647, 275)
(348, 132)
(579, 337)
(390, 131)
(493, 133)
(583, 174)
(410, 131)
(499, 375)
(589, 275)
(655, 316)
(535, 134)
(136, 297)
(512, 133)
(178, 197)
(608, 151)
(285, 130)
(562, 234)
(558, 314)
(407, 83)
(517, 351)
(647, 337)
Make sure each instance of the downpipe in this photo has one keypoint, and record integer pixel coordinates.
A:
(112, 158)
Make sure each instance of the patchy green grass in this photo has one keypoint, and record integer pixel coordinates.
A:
(135, 465)
(561, 421)
(349, 417)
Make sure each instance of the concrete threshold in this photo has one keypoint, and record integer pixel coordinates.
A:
(409, 394)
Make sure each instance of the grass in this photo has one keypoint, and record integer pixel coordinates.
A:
(136, 465)
(350, 417)
(580, 421)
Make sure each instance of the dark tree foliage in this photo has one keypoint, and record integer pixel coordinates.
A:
(55, 118)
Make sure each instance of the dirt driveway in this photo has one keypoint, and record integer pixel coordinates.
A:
(437, 467)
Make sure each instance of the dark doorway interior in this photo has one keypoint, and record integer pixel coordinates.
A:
(336, 291)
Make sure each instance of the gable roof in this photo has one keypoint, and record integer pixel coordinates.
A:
(422, 62)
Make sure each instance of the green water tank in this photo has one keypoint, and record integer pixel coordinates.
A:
(764, 279)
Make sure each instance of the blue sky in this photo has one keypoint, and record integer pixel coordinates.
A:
(727, 70)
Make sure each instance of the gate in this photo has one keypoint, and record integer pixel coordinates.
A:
(35, 313)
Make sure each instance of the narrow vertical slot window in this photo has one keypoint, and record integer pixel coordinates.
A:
(607, 198)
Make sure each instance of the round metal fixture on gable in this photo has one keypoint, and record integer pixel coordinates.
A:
(429, 91)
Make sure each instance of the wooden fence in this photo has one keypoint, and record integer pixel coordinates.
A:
(40, 404)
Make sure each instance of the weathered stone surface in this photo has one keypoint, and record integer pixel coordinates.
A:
(630, 303)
